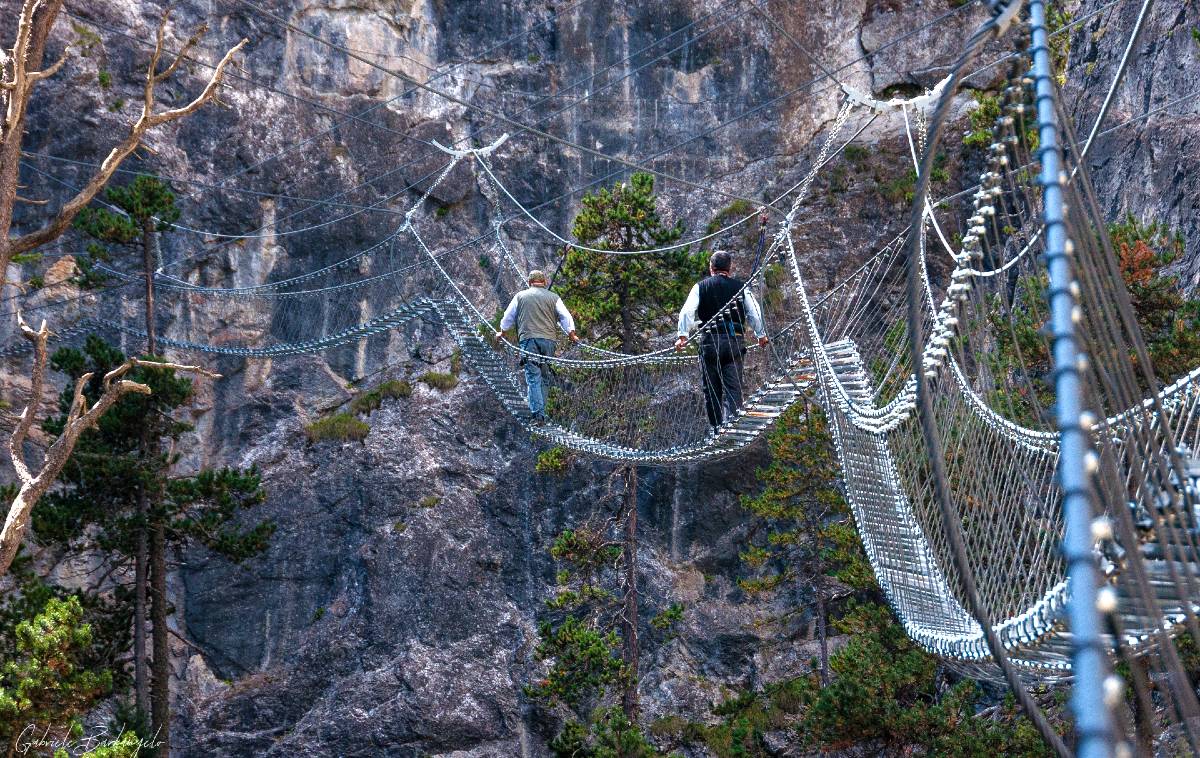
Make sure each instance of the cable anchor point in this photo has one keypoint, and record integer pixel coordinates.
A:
(476, 151)
(919, 102)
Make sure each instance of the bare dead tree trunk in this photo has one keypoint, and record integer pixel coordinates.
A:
(823, 630)
(80, 418)
(19, 74)
(629, 617)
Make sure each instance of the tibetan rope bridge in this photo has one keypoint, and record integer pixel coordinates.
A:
(956, 463)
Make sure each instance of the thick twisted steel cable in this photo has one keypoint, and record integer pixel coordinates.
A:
(1138, 25)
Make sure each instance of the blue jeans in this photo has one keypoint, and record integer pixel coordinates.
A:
(535, 372)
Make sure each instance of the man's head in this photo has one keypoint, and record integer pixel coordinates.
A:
(537, 278)
(720, 262)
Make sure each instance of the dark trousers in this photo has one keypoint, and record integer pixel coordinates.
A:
(721, 371)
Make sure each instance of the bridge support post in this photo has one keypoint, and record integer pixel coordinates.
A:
(1093, 718)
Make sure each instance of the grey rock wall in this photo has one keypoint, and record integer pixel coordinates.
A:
(1147, 168)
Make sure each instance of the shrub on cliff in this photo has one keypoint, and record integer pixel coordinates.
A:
(342, 427)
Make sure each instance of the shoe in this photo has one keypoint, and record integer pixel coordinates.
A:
(539, 419)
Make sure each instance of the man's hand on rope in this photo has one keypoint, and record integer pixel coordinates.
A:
(763, 340)
(573, 336)
(681, 343)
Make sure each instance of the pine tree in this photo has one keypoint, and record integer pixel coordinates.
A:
(149, 208)
(620, 301)
(47, 686)
(612, 735)
(808, 534)
(115, 489)
(108, 617)
(582, 643)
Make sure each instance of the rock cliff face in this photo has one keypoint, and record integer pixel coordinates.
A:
(395, 612)
(1147, 168)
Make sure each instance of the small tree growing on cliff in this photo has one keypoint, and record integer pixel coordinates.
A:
(808, 536)
(619, 301)
(1168, 319)
(48, 685)
(149, 210)
(582, 644)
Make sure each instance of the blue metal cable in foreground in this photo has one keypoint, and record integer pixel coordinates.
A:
(1093, 720)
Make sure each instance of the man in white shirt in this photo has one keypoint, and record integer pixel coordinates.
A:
(722, 343)
(534, 311)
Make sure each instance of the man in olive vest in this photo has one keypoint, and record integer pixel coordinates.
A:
(722, 344)
(535, 311)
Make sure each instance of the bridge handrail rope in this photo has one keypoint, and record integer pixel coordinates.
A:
(273, 287)
(664, 355)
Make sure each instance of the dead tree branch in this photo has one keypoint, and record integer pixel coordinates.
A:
(80, 418)
(17, 81)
